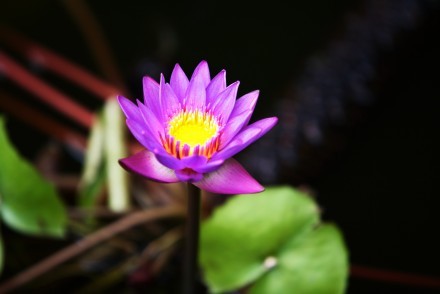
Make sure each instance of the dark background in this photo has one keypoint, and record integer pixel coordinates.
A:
(366, 145)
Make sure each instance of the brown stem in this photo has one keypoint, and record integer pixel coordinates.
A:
(133, 219)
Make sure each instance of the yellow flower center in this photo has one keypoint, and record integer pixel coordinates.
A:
(193, 127)
(197, 129)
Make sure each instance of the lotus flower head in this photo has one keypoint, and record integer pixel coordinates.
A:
(191, 128)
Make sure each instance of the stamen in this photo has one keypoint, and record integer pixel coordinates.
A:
(192, 132)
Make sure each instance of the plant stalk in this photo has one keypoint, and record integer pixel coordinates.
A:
(190, 265)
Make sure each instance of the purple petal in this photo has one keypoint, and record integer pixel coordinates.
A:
(142, 134)
(197, 163)
(145, 164)
(225, 102)
(202, 73)
(230, 178)
(170, 161)
(208, 167)
(151, 96)
(217, 85)
(250, 134)
(188, 175)
(233, 126)
(244, 103)
(129, 108)
(169, 101)
(151, 122)
(196, 93)
(179, 82)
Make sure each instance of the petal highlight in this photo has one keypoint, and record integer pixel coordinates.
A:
(225, 102)
(129, 108)
(179, 82)
(234, 126)
(202, 73)
(145, 164)
(246, 102)
(196, 93)
(215, 87)
(249, 135)
(151, 96)
(230, 178)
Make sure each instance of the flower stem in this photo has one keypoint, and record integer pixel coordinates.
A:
(191, 240)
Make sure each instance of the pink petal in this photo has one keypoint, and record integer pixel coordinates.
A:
(151, 122)
(202, 73)
(215, 87)
(129, 108)
(179, 82)
(142, 134)
(169, 101)
(145, 164)
(196, 93)
(230, 178)
(151, 96)
(233, 126)
(225, 102)
(169, 161)
(250, 134)
(244, 103)
(188, 175)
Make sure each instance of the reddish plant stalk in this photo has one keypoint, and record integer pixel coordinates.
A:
(42, 122)
(49, 95)
(59, 65)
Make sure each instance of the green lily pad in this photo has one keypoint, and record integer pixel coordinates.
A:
(29, 203)
(237, 240)
(317, 263)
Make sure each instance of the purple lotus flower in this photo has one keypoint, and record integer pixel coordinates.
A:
(191, 129)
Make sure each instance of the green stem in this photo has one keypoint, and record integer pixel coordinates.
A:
(191, 240)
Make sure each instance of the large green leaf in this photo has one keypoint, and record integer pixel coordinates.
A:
(317, 263)
(243, 233)
(29, 203)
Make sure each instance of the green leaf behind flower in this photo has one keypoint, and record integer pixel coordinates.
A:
(278, 225)
(315, 264)
(29, 203)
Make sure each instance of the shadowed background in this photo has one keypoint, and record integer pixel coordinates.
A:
(354, 83)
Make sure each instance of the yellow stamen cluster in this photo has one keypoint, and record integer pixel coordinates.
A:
(195, 128)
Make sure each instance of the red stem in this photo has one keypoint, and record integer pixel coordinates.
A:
(42, 122)
(48, 59)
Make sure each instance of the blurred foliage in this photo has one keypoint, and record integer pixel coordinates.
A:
(29, 204)
(274, 242)
(93, 175)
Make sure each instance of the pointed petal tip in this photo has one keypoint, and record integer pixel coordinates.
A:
(203, 61)
(122, 100)
(273, 120)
